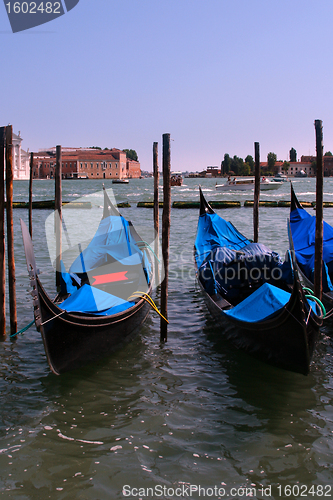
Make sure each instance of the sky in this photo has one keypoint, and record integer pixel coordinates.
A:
(217, 75)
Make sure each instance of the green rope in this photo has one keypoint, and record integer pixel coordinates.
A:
(321, 305)
(312, 296)
(308, 290)
(23, 329)
(150, 248)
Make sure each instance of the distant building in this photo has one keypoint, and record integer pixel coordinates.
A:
(327, 163)
(21, 162)
(86, 163)
(297, 166)
(294, 167)
(213, 172)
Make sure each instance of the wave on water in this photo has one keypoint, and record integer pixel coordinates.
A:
(98, 194)
(271, 195)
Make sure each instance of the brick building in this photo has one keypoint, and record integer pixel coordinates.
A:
(327, 163)
(86, 164)
(294, 167)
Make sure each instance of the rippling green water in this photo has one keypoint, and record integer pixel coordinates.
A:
(194, 411)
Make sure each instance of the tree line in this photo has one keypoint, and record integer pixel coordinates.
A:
(237, 166)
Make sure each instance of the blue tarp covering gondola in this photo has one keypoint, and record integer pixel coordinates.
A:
(107, 271)
(215, 232)
(90, 300)
(303, 228)
(113, 241)
(263, 303)
(227, 261)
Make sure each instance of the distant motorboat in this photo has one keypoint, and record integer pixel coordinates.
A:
(247, 184)
(280, 178)
(301, 173)
(176, 180)
(120, 181)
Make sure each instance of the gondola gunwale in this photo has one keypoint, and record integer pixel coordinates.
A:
(82, 318)
(308, 322)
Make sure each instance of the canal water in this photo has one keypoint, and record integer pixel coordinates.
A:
(191, 418)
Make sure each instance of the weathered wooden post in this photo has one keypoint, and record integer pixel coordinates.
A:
(2, 235)
(156, 203)
(318, 265)
(30, 193)
(10, 230)
(256, 193)
(165, 233)
(58, 211)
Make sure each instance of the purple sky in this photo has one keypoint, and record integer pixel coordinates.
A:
(217, 75)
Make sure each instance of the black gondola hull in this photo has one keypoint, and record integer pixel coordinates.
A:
(72, 341)
(285, 341)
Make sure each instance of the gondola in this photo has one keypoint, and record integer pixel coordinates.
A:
(256, 298)
(98, 307)
(302, 237)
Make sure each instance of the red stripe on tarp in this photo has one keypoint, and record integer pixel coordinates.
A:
(109, 278)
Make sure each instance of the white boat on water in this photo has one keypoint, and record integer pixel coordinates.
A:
(247, 184)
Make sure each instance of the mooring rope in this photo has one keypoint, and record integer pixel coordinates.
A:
(311, 296)
(22, 329)
(147, 298)
(328, 314)
(150, 248)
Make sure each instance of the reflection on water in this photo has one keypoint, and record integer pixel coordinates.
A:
(194, 410)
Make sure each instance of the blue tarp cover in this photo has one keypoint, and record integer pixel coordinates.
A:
(66, 281)
(90, 300)
(303, 229)
(112, 250)
(213, 231)
(113, 240)
(228, 263)
(262, 304)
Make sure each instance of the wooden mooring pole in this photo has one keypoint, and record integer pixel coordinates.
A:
(156, 204)
(2, 235)
(10, 230)
(30, 193)
(256, 193)
(318, 265)
(165, 233)
(58, 212)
